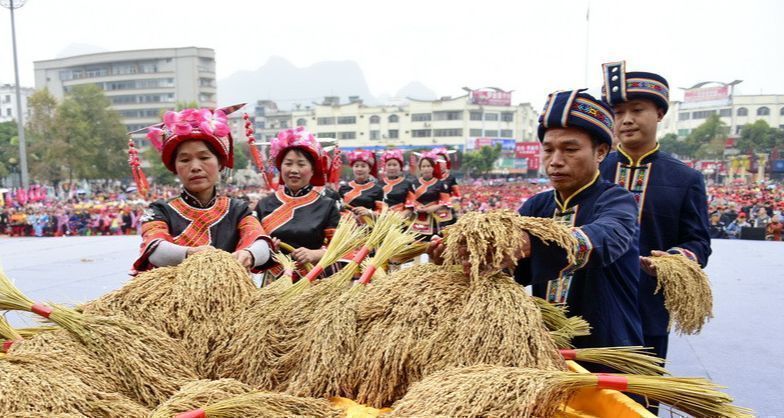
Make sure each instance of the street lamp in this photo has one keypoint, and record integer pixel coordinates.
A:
(11, 5)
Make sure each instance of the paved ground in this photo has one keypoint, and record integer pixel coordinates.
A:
(740, 348)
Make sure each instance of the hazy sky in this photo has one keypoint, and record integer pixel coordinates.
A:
(529, 47)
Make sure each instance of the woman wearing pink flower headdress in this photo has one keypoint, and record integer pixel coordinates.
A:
(394, 183)
(196, 144)
(445, 163)
(362, 196)
(296, 213)
(429, 198)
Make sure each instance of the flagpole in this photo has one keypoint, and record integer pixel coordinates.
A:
(587, 38)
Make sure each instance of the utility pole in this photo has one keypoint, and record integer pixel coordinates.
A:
(11, 5)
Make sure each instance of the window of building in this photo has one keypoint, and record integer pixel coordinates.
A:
(8, 112)
(507, 117)
(475, 115)
(347, 120)
(742, 111)
(7, 98)
(375, 119)
(326, 121)
(375, 135)
(683, 132)
(327, 135)
(492, 133)
(421, 133)
(475, 133)
(491, 116)
(506, 133)
(421, 117)
(302, 122)
(702, 114)
(394, 134)
(447, 132)
(684, 116)
(284, 124)
(448, 115)
(725, 112)
(394, 118)
(149, 67)
(763, 111)
(781, 112)
(347, 135)
(207, 82)
(738, 130)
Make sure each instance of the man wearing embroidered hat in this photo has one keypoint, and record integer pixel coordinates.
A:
(394, 183)
(363, 196)
(671, 198)
(196, 144)
(296, 214)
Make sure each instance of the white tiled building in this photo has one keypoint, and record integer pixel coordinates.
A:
(8, 102)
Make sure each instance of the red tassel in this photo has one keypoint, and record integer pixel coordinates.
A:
(255, 153)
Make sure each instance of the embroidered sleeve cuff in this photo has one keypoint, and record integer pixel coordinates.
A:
(583, 250)
(684, 252)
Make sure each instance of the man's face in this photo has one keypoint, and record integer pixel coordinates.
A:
(635, 122)
(570, 158)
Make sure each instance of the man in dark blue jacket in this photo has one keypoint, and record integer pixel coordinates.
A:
(673, 212)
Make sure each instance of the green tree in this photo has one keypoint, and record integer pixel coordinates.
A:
(47, 143)
(759, 137)
(95, 135)
(671, 144)
(481, 161)
(707, 140)
(8, 146)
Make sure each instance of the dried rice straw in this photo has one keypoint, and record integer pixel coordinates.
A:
(8, 335)
(482, 391)
(321, 359)
(150, 365)
(632, 360)
(562, 328)
(35, 385)
(493, 239)
(687, 292)
(258, 342)
(500, 325)
(411, 252)
(265, 404)
(196, 394)
(394, 318)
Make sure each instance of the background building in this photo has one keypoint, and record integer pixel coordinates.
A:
(715, 98)
(8, 102)
(140, 84)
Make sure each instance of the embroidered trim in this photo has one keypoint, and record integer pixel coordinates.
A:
(390, 184)
(356, 190)
(647, 86)
(201, 220)
(584, 248)
(594, 114)
(250, 230)
(285, 212)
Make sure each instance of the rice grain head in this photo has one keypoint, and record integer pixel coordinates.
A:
(200, 393)
(687, 292)
(270, 404)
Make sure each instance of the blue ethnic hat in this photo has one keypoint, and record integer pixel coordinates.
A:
(620, 86)
(576, 109)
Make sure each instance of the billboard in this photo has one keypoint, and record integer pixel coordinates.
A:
(507, 144)
(530, 152)
(491, 97)
(706, 94)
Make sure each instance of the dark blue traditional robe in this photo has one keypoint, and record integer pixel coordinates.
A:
(602, 286)
(673, 217)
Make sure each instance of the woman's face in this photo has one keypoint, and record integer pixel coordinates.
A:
(361, 170)
(426, 169)
(197, 167)
(296, 170)
(392, 168)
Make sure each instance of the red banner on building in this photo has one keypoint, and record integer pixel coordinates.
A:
(530, 151)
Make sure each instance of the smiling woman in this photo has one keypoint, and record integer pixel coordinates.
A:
(196, 144)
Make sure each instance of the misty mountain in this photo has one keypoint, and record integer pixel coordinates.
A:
(416, 90)
(282, 82)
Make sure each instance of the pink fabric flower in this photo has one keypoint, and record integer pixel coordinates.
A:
(213, 123)
(156, 135)
(288, 138)
(179, 122)
(393, 154)
(361, 155)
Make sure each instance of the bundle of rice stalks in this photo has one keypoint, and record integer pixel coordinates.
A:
(70, 355)
(411, 252)
(196, 394)
(33, 331)
(321, 359)
(38, 385)
(499, 324)
(8, 335)
(482, 391)
(149, 364)
(632, 360)
(289, 249)
(492, 240)
(394, 318)
(265, 404)
(195, 301)
(258, 339)
(562, 328)
(687, 292)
